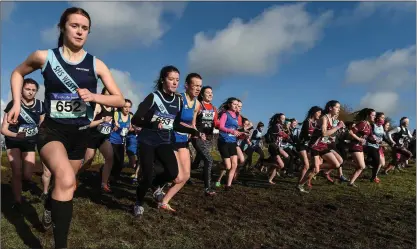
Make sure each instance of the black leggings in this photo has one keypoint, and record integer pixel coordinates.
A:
(289, 161)
(118, 159)
(249, 152)
(203, 148)
(373, 154)
(164, 153)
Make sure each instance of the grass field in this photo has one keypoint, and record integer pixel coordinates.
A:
(252, 215)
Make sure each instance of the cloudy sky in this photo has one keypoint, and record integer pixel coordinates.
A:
(276, 57)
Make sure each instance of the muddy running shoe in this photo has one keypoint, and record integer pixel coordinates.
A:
(376, 180)
(44, 196)
(209, 192)
(165, 206)
(227, 188)
(134, 180)
(47, 219)
(352, 185)
(138, 210)
(301, 189)
(105, 188)
(218, 184)
(158, 194)
(343, 179)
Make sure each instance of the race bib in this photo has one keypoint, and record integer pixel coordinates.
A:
(207, 118)
(167, 120)
(378, 139)
(29, 129)
(67, 105)
(124, 132)
(325, 140)
(104, 128)
(207, 115)
(401, 141)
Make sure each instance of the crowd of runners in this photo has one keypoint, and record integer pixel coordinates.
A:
(74, 121)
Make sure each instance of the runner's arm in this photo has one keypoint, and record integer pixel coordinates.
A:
(96, 122)
(5, 128)
(35, 61)
(391, 132)
(115, 99)
(139, 119)
(182, 127)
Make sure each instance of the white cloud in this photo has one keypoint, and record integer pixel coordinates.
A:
(390, 70)
(364, 10)
(6, 10)
(129, 88)
(256, 46)
(117, 24)
(386, 102)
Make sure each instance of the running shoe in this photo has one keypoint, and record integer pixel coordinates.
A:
(352, 185)
(329, 178)
(218, 184)
(138, 210)
(47, 219)
(343, 179)
(165, 206)
(301, 189)
(158, 194)
(105, 188)
(209, 192)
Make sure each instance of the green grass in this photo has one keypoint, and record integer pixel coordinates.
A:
(260, 216)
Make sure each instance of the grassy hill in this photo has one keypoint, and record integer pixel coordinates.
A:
(253, 215)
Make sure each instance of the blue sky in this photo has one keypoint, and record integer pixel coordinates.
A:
(275, 56)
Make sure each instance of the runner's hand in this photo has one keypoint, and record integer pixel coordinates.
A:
(86, 95)
(13, 114)
(21, 135)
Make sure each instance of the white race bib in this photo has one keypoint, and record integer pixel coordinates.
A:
(167, 120)
(104, 128)
(29, 129)
(124, 132)
(67, 105)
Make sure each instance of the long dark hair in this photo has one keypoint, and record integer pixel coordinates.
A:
(226, 105)
(64, 18)
(331, 103)
(313, 111)
(201, 95)
(363, 114)
(163, 74)
(274, 119)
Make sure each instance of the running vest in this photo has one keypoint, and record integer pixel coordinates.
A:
(231, 123)
(105, 127)
(401, 136)
(187, 114)
(256, 138)
(205, 119)
(62, 78)
(118, 136)
(163, 111)
(379, 136)
(28, 120)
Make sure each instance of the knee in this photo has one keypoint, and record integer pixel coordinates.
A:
(65, 180)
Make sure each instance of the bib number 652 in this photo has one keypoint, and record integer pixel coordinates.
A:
(70, 106)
